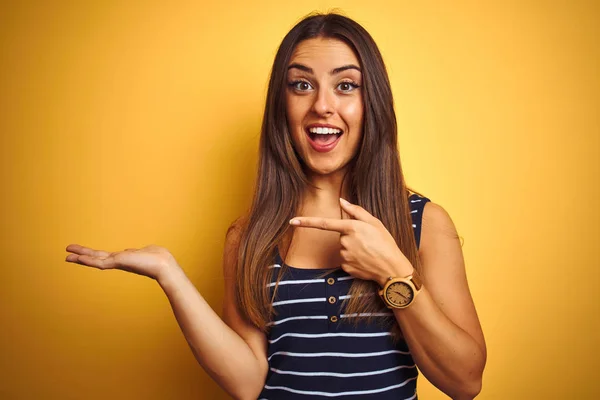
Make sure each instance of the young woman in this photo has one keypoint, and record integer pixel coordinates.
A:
(339, 282)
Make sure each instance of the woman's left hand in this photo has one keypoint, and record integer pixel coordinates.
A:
(368, 251)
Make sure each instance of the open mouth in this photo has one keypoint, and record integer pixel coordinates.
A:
(324, 138)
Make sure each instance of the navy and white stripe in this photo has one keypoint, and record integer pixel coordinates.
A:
(317, 351)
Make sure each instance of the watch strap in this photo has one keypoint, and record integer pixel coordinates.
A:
(416, 280)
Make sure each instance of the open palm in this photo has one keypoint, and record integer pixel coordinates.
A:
(150, 261)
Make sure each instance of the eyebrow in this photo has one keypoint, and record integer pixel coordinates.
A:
(334, 71)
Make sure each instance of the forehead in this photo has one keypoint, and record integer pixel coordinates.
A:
(324, 51)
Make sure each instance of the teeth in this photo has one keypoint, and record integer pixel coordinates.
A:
(325, 131)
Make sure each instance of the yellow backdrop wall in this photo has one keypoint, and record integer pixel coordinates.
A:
(129, 123)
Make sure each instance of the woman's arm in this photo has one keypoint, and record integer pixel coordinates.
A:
(441, 327)
(233, 353)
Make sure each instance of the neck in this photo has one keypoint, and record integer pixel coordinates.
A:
(326, 190)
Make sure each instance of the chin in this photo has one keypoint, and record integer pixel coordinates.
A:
(325, 168)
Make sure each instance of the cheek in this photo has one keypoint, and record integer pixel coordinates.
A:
(352, 112)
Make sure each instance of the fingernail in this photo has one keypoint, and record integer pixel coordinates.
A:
(344, 202)
(294, 221)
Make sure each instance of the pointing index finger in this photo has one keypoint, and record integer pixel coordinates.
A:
(326, 224)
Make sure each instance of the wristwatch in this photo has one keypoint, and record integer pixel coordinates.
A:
(400, 292)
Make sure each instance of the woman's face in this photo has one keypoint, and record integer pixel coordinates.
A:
(324, 104)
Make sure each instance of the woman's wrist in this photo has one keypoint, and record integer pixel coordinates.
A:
(169, 276)
(398, 269)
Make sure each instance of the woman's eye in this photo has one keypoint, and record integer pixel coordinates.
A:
(347, 86)
(301, 86)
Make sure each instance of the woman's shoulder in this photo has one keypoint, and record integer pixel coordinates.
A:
(437, 220)
(431, 218)
(433, 214)
(236, 228)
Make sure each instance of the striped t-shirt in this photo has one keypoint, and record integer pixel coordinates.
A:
(316, 351)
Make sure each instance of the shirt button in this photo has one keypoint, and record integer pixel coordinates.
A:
(331, 281)
(332, 300)
(333, 319)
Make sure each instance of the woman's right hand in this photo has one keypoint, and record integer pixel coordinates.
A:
(151, 261)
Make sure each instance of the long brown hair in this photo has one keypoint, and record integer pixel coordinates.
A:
(375, 179)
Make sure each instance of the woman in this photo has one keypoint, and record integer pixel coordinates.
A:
(294, 325)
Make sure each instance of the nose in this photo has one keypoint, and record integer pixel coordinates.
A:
(324, 104)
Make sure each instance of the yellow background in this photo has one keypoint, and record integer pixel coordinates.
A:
(129, 123)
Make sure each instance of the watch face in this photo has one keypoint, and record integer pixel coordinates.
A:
(399, 294)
